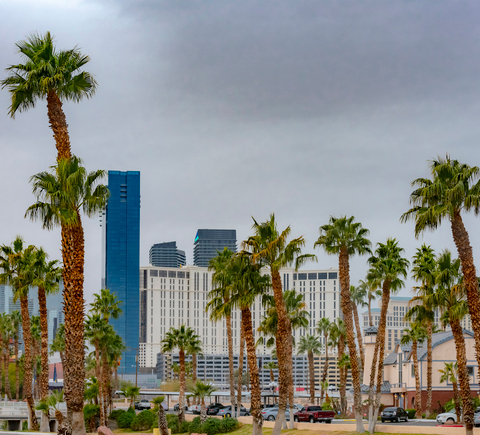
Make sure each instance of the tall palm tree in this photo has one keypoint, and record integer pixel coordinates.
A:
(16, 319)
(415, 335)
(311, 345)
(61, 197)
(247, 284)
(453, 189)
(449, 374)
(373, 292)
(219, 305)
(423, 271)
(193, 350)
(387, 268)
(358, 295)
(58, 343)
(450, 298)
(270, 249)
(180, 338)
(162, 419)
(16, 269)
(271, 366)
(52, 75)
(47, 279)
(6, 333)
(201, 390)
(338, 334)
(345, 237)
(324, 326)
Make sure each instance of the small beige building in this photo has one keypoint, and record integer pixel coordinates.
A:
(399, 387)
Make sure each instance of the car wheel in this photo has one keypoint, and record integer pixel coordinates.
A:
(328, 421)
(396, 420)
(451, 419)
(227, 415)
(311, 419)
(295, 418)
(271, 418)
(406, 419)
(383, 421)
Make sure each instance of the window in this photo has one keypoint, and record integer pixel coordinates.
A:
(470, 370)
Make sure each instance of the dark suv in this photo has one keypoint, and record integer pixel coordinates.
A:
(394, 414)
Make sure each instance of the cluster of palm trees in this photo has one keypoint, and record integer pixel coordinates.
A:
(62, 194)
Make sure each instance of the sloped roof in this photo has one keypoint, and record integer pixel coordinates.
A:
(390, 359)
(384, 389)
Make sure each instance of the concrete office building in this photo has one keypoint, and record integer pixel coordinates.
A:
(166, 255)
(208, 243)
(121, 249)
(172, 297)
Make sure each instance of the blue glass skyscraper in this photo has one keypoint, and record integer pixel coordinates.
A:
(121, 229)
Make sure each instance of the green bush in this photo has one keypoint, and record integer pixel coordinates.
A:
(184, 427)
(172, 422)
(125, 420)
(143, 421)
(212, 426)
(432, 416)
(424, 415)
(195, 425)
(116, 413)
(228, 424)
(411, 412)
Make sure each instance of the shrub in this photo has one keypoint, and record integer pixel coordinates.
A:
(228, 424)
(116, 413)
(211, 426)
(143, 421)
(125, 420)
(195, 425)
(172, 422)
(184, 427)
(432, 416)
(411, 413)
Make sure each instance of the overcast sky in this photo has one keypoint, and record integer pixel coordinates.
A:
(234, 109)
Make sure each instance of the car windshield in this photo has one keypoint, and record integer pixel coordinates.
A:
(390, 409)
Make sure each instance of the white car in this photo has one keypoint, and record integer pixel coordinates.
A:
(195, 409)
(445, 417)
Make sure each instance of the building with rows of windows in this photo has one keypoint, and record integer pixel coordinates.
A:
(170, 297)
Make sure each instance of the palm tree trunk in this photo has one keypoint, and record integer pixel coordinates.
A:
(359, 338)
(27, 372)
(418, 392)
(98, 374)
(312, 378)
(194, 374)
(429, 369)
(291, 392)
(370, 323)
(6, 357)
(377, 366)
(463, 375)
(181, 399)
(465, 253)
(58, 124)
(346, 305)
(325, 369)
(105, 373)
(456, 399)
(17, 371)
(256, 400)
(343, 377)
(162, 421)
(203, 411)
(43, 378)
(73, 302)
(228, 322)
(240, 370)
(284, 357)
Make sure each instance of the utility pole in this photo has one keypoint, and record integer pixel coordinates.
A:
(136, 368)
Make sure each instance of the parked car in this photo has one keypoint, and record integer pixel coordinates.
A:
(227, 411)
(176, 407)
(195, 409)
(313, 413)
(476, 419)
(143, 404)
(394, 414)
(449, 416)
(270, 414)
(213, 408)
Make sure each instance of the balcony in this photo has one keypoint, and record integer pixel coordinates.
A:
(398, 388)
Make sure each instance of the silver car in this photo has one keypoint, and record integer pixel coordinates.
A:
(270, 414)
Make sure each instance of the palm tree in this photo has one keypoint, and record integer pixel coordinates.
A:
(270, 249)
(338, 334)
(16, 269)
(311, 345)
(131, 392)
(423, 271)
(58, 343)
(180, 339)
(194, 349)
(387, 267)
(6, 332)
(247, 284)
(16, 319)
(60, 198)
(452, 190)
(201, 390)
(324, 327)
(449, 374)
(162, 419)
(271, 366)
(219, 305)
(344, 237)
(450, 298)
(372, 293)
(52, 75)
(358, 295)
(47, 279)
(414, 335)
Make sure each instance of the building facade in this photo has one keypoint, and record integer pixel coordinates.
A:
(172, 297)
(121, 248)
(208, 243)
(166, 255)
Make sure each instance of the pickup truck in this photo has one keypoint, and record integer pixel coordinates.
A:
(313, 413)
